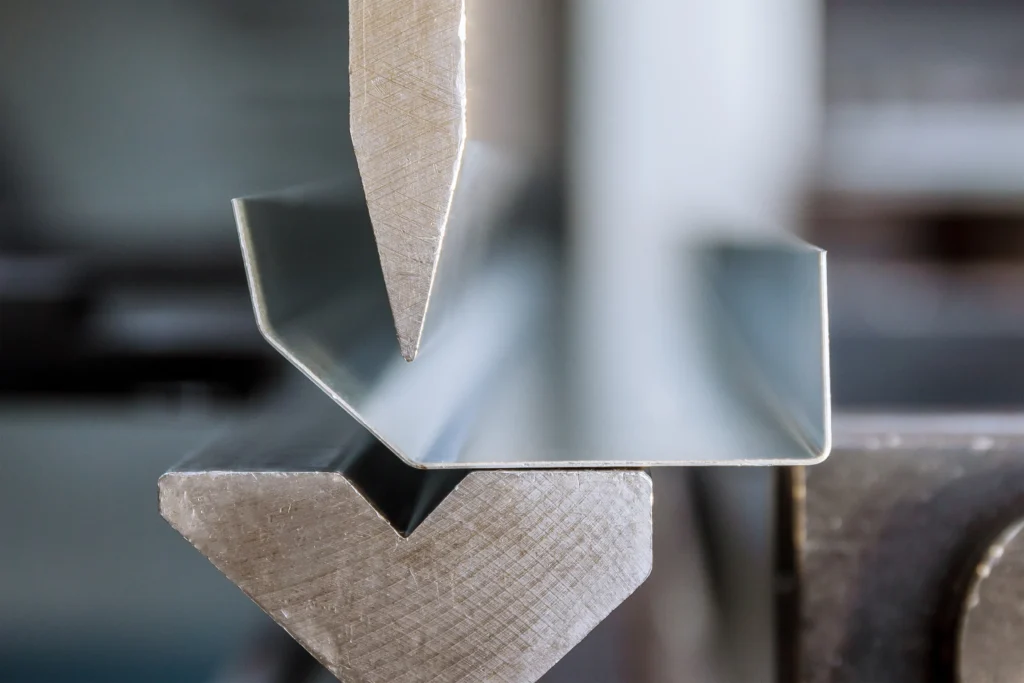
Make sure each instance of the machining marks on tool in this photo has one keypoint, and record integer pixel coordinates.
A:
(508, 573)
(454, 108)
(408, 119)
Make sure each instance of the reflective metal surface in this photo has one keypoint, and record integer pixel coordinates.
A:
(497, 383)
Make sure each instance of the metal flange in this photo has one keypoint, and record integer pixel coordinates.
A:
(496, 385)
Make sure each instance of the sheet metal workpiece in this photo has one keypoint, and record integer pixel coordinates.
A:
(908, 564)
(497, 385)
(496, 583)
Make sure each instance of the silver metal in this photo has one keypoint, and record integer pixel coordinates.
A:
(507, 571)
(498, 385)
(454, 110)
(992, 623)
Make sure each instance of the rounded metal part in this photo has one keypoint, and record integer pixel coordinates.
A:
(991, 631)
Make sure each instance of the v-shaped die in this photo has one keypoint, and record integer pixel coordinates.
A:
(508, 573)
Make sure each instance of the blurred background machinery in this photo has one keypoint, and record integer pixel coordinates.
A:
(919, 202)
(890, 133)
(901, 553)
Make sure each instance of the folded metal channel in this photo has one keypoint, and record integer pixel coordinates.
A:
(495, 386)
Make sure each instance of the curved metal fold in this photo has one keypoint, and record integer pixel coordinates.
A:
(496, 384)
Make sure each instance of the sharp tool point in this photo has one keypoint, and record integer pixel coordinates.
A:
(408, 121)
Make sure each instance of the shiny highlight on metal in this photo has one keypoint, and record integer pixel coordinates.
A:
(498, 385)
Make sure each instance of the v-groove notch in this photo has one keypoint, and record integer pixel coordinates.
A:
(405, 496)
(330, 442)
(498, 582)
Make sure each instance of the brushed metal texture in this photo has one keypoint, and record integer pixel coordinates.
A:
(504, 577)
(408, 118)
(454, 108)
